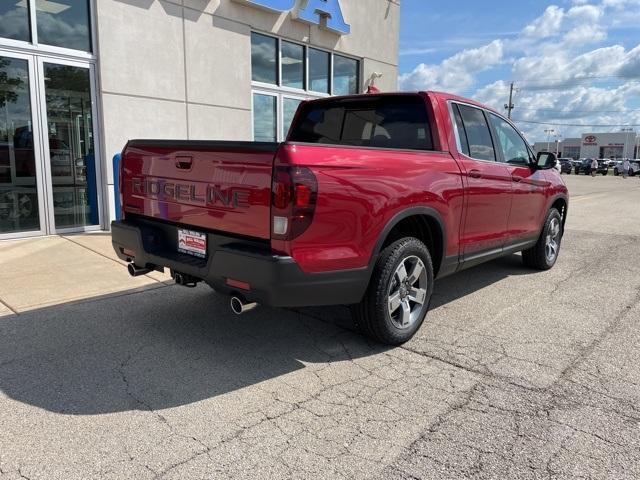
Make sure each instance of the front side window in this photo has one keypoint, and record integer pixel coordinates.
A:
(14, 20)
(64, 23)
(264, 59)
(514, 148)
(478, 134)
(388, 122)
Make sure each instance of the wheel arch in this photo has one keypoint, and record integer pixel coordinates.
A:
(424, 223)
(561, 203)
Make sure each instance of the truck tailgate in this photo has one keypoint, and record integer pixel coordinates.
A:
(220, 186)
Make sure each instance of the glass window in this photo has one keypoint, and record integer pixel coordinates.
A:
(386, 122)
(292, 65)
(345, 75)
(264, 118)
(14, 20)
(18, 194)
(464, 144)
(264, 58)
(478, 135)
(64, 23)
(289, 107)
(514, 148)
(318, 71)
(71, 149)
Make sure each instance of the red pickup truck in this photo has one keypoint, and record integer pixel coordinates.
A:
(369, 199)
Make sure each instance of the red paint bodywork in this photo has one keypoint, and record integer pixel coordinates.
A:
(482, 205)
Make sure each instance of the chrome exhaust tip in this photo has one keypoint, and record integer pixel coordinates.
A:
(240, 306)
(136, 271)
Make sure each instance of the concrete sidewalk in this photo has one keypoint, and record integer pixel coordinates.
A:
(45, 271)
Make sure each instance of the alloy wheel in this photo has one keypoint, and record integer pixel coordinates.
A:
(552, 242)
(407, 294)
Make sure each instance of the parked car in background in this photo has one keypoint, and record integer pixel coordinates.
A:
(585, 167)
(603, 167)
(566, 165)
(634, 168)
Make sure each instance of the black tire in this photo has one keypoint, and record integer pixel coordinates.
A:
(536, 257)
(372, 314)
(616, 172)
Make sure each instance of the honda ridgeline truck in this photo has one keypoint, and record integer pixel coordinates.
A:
(369, 199)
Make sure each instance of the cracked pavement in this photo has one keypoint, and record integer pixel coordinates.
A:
(515, 374)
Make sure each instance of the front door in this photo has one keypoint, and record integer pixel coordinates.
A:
(48, 169)
(529, 185)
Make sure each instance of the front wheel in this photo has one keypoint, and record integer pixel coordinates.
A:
(398, 296)
(544, 254)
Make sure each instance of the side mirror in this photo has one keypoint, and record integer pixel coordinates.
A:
(546, 160)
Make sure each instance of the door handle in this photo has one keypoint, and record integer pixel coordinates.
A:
(475, 173)
(517, 178)
(184, 163)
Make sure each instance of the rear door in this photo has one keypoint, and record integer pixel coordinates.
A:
(529, 185)
(487, 184)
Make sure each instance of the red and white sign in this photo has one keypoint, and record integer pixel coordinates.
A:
(193, 243)
(590, 140)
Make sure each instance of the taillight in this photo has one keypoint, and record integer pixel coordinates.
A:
(294, 196)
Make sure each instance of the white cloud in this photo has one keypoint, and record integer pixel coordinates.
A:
(456, 72)
(547, 25)
(586, 13)
(563, 71)
(584, 34)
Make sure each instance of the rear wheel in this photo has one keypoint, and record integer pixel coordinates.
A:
(544, 254)
(397, 299)
(616, 172)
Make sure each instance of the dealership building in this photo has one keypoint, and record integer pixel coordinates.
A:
(595, 145)
(78, 78)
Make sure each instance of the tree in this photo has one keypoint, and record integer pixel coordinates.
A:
(8, 85)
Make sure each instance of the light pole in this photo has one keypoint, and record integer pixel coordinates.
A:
(558, 137)
(549, 132)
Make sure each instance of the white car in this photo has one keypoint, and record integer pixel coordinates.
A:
(634, 168)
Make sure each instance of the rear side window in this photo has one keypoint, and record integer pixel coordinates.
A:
(478, 134)
(387, 122)
(462, 135)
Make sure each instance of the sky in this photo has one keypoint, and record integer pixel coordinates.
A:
(571, 61)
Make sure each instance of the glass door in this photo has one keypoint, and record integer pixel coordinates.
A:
(22, 206)
(67, 110)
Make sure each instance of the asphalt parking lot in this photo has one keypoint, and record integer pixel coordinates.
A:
(515, 374)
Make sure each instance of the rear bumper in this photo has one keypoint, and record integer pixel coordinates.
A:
(275, 280)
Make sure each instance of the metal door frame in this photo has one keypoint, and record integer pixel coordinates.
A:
(38, 152)
(97, 139)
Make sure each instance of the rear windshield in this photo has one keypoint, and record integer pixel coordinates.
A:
(385, 122)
